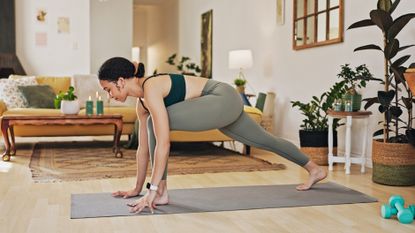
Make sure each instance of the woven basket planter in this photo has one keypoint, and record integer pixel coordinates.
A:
(319, 155)
(393, 163)
(315, 145)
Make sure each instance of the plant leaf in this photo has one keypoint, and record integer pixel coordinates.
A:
(362, 23)
(366, 47)
(395, 111)
(391, 49)
(407, 102)
(385, 5)
(370, 102)
(378, 132)
(398, 74)
(405, 47)
(385, 98)
(400, 61)
(394, 5)
(398, 25)
(382, 19)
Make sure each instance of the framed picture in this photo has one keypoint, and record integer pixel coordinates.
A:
(280, 11)
(206, 45)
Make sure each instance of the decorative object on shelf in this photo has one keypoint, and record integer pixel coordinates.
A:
(240, 59)
(389, 166)
(348, 106)
(89, 106)
(338, 105)
(355, 78)
(67, 102)
(184, 65)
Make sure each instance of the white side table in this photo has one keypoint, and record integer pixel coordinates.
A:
(346, 159)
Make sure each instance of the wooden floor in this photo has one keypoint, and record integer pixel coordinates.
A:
(29, 207)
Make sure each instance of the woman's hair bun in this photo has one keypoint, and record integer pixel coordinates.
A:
(140, 70)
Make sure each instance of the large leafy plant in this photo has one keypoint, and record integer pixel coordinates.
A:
(315, 111)
(396, 96)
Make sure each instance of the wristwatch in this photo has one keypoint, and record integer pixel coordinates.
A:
(152, 187)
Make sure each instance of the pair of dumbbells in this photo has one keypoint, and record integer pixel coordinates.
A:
(396, 207)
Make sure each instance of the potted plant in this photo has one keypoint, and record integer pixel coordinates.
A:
(67, 102)
(393, 157)
(184, 65)
(240, 84)
(314, 129)
(355, 78)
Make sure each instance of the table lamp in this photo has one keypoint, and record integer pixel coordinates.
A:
(240, 59)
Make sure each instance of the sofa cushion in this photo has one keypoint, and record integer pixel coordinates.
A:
(38, 96)
(88, 85)
(10, 93)
(57, 83)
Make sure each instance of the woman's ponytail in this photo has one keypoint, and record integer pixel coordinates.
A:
(140, 70)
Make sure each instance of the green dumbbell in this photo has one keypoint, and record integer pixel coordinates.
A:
(397, 207)
(412, 209)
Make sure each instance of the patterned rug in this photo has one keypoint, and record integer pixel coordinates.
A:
(74, 161)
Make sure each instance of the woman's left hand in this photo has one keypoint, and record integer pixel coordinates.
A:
(146, 201)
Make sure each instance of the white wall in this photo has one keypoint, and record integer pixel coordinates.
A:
(111, 30)
(293, 75)
(65, 54)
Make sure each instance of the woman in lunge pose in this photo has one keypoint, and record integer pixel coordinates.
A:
(180, 102)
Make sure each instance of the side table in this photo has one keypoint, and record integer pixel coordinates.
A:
(346, 159)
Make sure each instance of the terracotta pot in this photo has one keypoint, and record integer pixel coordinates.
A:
(410, 79)
(393, 163)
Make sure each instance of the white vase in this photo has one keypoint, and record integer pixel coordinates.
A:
(70, 107)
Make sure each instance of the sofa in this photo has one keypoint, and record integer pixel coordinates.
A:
(87, 86)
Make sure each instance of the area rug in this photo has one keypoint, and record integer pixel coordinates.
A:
(74, 161)
(92, 205)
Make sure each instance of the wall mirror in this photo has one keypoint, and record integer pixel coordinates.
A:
(317, 23)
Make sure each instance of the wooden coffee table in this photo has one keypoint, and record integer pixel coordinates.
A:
(7, 123)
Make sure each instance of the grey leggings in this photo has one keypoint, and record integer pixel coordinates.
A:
(220, 107)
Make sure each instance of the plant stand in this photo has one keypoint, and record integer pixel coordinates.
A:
(346, 159)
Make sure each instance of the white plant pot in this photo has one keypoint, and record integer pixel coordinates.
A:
(70, 107)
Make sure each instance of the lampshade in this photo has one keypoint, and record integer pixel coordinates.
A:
(240, 59)
(135, 54)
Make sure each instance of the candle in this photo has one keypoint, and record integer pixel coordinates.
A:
(338, 105)
(348, 106)
(89, 106)
(100, 106)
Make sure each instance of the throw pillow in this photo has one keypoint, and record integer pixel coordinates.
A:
(38, 96)
(11, 95)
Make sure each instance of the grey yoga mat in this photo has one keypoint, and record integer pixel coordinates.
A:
(92, 205)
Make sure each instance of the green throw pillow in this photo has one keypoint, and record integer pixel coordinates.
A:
(38, 96)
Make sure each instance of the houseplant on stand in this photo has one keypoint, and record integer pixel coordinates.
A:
(67, 102)
(355, 78)
(314, 129)
(393, 157)
(240, 84)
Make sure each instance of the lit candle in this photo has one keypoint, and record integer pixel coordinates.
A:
(100, 106)
(89, 106)
(348, 107)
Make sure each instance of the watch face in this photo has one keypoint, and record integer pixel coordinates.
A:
(148, 185)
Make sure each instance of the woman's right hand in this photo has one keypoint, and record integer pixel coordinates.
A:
(126, 194)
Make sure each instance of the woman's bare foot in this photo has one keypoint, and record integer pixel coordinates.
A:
(162, 199)
(316, 174)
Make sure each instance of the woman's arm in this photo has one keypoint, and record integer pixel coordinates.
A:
(142, 155)
(155, 103)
